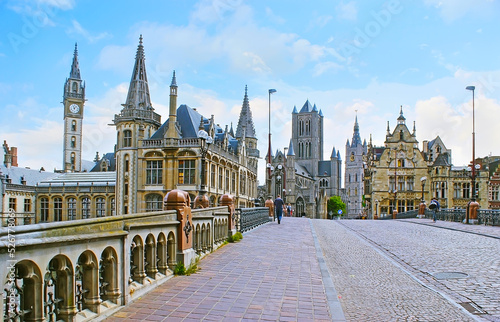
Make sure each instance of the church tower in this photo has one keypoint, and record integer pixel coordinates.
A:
(354, 172)
(307, 137)
(73, 100)
(136, 121)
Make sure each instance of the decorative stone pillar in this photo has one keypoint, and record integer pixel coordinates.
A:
(270, 204)
(90, 282)
(473, 210)
(179, 200)
(201, 201)
(228, 200)
(421, 209)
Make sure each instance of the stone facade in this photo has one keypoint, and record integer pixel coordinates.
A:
(153, 158)
(399, 174)
(299, 174)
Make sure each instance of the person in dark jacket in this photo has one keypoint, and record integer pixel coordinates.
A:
(435, 208)
(278, 206)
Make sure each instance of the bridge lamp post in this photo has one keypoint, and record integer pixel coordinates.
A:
(423, 180)
(205, 141)
(271, 91)
(472, 88)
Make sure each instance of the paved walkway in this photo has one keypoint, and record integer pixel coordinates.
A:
(273, 274)
(382, 271)
(387, 270)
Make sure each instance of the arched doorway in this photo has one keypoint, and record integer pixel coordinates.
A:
(300, 209)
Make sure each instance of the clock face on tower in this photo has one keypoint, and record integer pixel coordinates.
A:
(352, 157)
(73, 108)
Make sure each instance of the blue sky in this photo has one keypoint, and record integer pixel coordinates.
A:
(344, 56)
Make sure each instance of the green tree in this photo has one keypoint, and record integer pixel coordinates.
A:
(334, 204)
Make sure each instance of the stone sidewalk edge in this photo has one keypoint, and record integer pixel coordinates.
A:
(436, 224)
(332, 298)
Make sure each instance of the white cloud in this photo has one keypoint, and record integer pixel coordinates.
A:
(273, 17)
(436, 116)
(347, 11)
(79, 30)
(323, 67)
(451, 10)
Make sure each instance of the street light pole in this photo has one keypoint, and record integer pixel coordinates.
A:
(271, 91)
(205, 140)
(472, 88)
(422, 180)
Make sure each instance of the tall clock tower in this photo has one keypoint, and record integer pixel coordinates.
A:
(73, 100)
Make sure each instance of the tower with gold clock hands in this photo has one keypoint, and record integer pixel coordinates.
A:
(73, 100)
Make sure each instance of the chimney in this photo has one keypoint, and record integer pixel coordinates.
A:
(425, 145)
(13, 152)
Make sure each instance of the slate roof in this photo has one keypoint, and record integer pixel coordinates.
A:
(324, 168)
(82, 179)
(306, 108)
(32, 176)
(189, 122)
(110, 159)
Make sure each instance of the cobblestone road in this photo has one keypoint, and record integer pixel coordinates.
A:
(392, 280)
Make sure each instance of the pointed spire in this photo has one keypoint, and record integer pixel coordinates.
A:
(414, 129)
(306, 108)
(356, 138)
(75, 68)
(334, 153)
(388, 130)
(231, 131)
(315, 109)
(321, 113)
(245, 119)
(401, 118)
(138, 92)
(290, 149)
(174, 81)
(294, 110)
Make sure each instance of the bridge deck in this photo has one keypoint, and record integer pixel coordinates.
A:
(382, 270)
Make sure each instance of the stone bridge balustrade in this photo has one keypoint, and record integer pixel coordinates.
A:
(75, 270)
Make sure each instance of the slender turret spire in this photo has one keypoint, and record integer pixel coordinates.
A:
(356, 138)
(75, 68)
(245, 120)
(138, 92)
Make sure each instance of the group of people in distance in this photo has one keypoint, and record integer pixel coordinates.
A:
(280, 208)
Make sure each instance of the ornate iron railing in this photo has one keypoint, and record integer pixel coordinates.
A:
(249, 218)
(484, 216)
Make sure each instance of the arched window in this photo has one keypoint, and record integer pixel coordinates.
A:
(57, 209)
(44, 209)
(73, 142)
(85, 208)
(127, 138)
(100, 207)
(113, 207)
(154, 202)
(75, 87)
(73, 125)
(73, 158)
(154, 172)
(71, 209)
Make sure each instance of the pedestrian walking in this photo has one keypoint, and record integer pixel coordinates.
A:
(434, 206)
(289, 210)
(278, 205)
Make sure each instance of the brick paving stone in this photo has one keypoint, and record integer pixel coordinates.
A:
(273, 274)
(383, 269)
